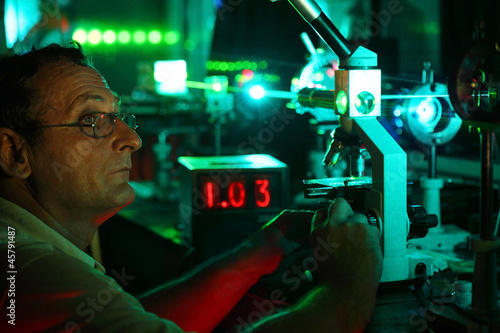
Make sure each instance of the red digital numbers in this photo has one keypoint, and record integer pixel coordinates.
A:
(234, 194)
(208, 192)
(262, 195)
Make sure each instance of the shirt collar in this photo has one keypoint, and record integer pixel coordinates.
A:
(29, 227)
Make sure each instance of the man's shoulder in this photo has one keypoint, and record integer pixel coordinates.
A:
(26, 250)
(36, 257)
(52, 284)
(40, 263)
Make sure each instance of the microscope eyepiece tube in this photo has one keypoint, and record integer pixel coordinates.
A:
(312, 13)
(309, 9)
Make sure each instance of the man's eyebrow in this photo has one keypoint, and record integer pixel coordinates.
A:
(82, 99)
(98, 98)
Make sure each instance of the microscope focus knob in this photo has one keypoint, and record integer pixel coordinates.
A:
(420, 221)
(372, 218)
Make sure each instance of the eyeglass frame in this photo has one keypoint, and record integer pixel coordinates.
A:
(113, 115)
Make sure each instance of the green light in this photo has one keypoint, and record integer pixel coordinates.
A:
(139, 37)
(217, 87)
(199, 85)
(341, 102)
(224, 66)
(263, 64)
(124, 37)
(109, 37)
(154, 37)
(171, 37)
(94, 36)
(231, 66)
(80, 36)
(253, 66)
(210, 65)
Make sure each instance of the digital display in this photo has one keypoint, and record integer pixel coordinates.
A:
(248, 191)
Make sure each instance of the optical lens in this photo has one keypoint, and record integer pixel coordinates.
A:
(128, 119)
(104, 125)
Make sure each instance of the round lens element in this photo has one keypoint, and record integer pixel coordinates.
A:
(341, 102)
(365, 102)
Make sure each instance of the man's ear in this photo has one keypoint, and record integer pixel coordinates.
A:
(14, 153)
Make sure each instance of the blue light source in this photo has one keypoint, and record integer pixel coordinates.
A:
(397, 111)
(257, 92)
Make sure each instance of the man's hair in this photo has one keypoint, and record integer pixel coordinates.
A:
(18, 102)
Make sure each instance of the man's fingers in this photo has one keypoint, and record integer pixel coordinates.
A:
(319, 218)
(358, 218)
(339, 211)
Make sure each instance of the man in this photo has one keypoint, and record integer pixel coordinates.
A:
(65, 157)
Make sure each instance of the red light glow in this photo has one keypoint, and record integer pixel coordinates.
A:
(262, 193)
(209, 194)
(236, 194)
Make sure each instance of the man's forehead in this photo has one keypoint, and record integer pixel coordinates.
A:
(64, 82)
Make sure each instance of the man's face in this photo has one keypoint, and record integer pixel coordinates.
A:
(73, 173)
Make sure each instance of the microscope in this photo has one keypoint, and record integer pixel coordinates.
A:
(356, 100)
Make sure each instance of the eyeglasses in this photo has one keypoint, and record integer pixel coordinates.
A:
(101, 126)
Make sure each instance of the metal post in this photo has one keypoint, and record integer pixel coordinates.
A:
(217, 136)
(484, 296)
(432, 161)
(486, 204)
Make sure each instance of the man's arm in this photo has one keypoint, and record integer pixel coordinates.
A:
(345, 301)
(200, 300)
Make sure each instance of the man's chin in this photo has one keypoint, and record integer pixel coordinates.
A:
(121, 199)
(125, 196)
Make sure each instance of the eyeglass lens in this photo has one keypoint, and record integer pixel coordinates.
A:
(129, 119)
(104, 124)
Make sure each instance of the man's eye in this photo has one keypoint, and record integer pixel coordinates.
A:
(88, 120)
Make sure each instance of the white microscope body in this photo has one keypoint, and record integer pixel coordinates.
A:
(357, 101)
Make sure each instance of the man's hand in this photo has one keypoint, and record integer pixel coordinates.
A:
(282, 234)
(356, 255)
(349, 257)
(295, 225)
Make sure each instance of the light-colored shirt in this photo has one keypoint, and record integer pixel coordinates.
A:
(53, 286)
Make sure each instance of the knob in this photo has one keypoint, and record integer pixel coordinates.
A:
(420, 221)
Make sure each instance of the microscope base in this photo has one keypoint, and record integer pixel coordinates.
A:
(403, 268)
(444, 238)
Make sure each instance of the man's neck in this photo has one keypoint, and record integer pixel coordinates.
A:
(78, 228)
